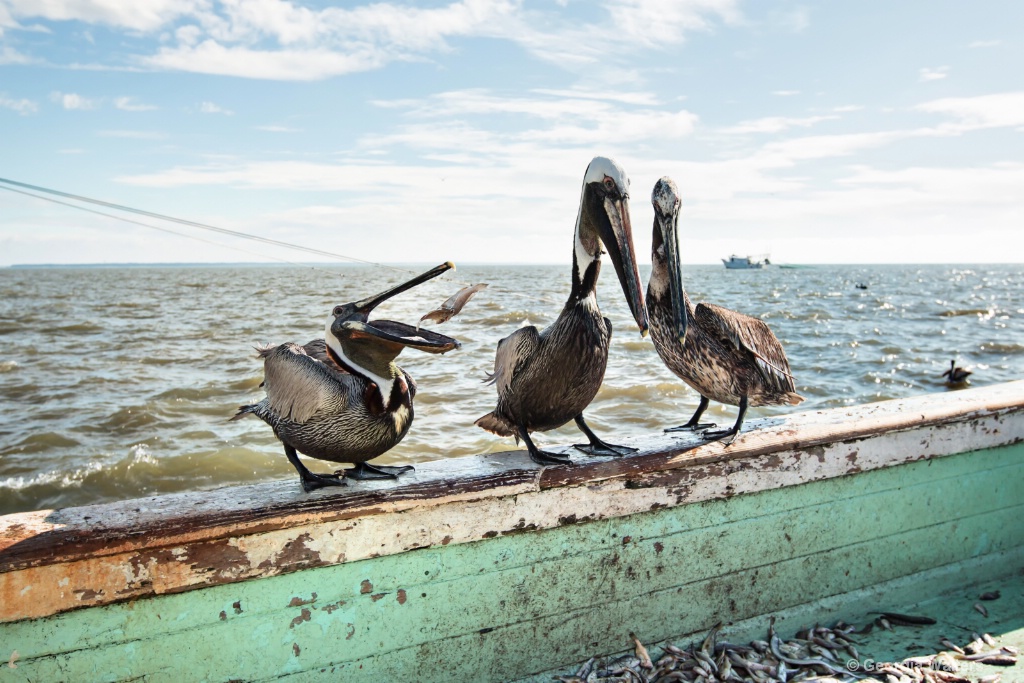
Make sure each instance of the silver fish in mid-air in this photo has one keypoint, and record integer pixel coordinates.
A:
(451, 307)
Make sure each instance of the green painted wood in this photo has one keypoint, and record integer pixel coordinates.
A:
(512, 605)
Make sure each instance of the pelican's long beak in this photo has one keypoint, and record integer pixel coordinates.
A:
(394, 336)
(617, 235)
(390, 337)
(668, 225)
(370, 303)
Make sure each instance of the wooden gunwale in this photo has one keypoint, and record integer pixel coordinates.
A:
(55, 561)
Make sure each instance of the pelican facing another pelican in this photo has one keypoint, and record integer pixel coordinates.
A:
(343, 398)
(544, 379)
(723, 355)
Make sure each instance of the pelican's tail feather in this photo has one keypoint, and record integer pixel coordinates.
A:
(243, 411)
(496, 425)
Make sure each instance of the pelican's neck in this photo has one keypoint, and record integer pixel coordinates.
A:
(658, 287)
(382, 374)
(586, 256)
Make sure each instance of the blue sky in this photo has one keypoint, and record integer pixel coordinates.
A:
(821, 132)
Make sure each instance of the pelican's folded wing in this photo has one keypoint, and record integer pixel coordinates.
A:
(750, 334)
(297, 384)
(513, 355)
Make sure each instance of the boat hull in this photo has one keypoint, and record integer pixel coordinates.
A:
(518, 570)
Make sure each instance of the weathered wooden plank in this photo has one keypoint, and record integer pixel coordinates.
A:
(312, 641)
(158, 569)
(370, 626)
(866, 499)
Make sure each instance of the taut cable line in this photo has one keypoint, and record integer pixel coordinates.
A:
(213, 228)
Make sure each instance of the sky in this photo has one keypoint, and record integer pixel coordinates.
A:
(816, 132)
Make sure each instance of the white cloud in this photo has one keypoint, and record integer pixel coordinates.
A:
(277, 129)
(993, 184)
(313, 64)
(567, 120)
(638, 98)
(74, 101)
(984, 111)
(785, 93)
(775, 124)
(666, 22)
(281, 40)
(8, 55)
(22, 106)
(129, 104)
(985, 43)
(212, 108)
(926, 74)
(140, 16)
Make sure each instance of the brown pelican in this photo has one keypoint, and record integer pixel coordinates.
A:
(544, 379)
(955, 375)
(723, 355)
(343, 398)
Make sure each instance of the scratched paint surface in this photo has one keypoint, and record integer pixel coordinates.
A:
(510, 606)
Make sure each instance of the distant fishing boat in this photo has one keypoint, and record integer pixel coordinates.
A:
(489, 568)
(735, 262)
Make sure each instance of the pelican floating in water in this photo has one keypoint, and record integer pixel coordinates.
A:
(723, 355)
(544, 379)
(343, 398)
(955, 375)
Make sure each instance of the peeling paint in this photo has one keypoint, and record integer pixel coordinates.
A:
(299, 602)
(366, 587)
(331, 607)
(305, 615)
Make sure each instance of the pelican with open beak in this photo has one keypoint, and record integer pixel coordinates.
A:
(546, 378)
(343, 398)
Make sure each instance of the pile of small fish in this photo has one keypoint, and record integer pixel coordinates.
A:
(820, 654)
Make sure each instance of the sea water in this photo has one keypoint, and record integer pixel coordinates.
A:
(119, 382)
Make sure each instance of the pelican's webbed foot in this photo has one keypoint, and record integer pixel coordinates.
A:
(727, 436)
(542, 457)
(364, 471)
(596, 445)
(695, 424)
(691, 426)
(311, 481)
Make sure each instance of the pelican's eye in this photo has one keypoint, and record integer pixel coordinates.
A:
(609, 184)
(338, 310)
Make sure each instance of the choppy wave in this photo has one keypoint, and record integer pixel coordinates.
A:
(967, 311)
(1001, 347)
(132, 395)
